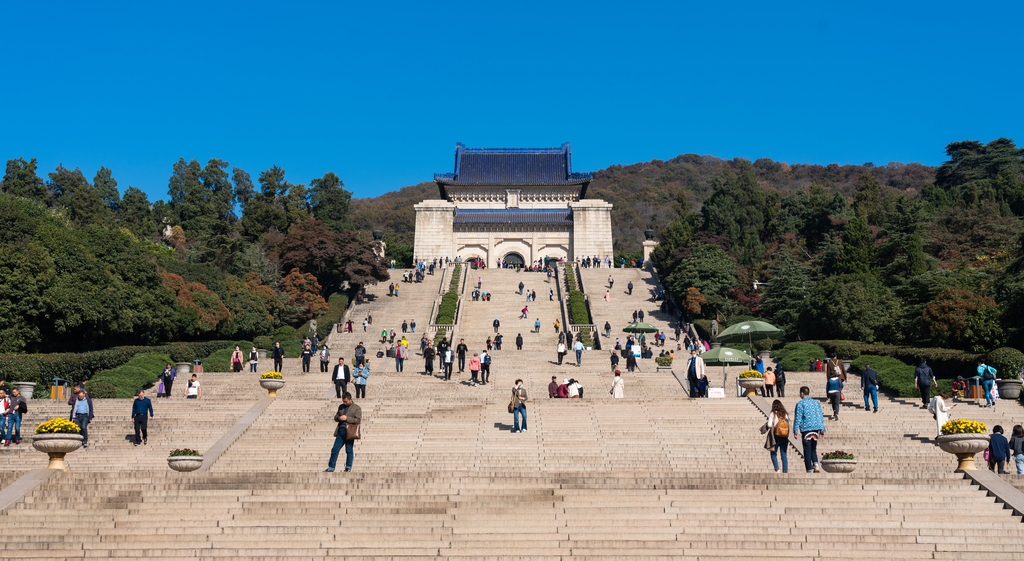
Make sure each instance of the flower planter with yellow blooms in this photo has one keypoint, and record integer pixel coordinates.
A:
(751, 380)
(271, 381)
(57, 437)
(963, 439)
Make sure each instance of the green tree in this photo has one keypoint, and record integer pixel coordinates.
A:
(858, 247)
(710, 270)
(21, 180)
(867, 199)
(738, 210)
(786, 293)
(329, 201)
(134, 213)
(857, 307)
(106, 188)
(26, 274)
(83, 202)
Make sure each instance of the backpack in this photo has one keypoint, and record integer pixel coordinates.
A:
(22, 407)
(989, 373)
(487, 359)
(782, 428)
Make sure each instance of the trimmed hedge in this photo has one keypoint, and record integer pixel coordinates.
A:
(141, 371)
(578, 314)
(663, 360)
(264, 342)
(220, 360)
(796, 356)
(78, 367)
(893, 375)
(947, 363)
(439, 336)
(450, 300)
(1007, 361)
(100, 389)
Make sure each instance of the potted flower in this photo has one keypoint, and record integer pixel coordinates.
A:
(664, 363)
(751, 380)
(185, 459)
(964, 439)
(271, 381)
(57, 437)
(838, 462)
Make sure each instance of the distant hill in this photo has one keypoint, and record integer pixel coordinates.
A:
(643, 193)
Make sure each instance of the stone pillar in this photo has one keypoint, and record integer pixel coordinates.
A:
(649, 246)
(435, 236)
(591, 229)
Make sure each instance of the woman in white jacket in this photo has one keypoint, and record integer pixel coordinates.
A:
(617, 386)
(938, 409)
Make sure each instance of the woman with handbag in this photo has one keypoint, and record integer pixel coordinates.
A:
(236, 360)
(778, 430)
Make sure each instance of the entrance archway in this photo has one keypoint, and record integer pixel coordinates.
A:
(512, 258)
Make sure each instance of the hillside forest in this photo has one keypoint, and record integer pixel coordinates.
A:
(900, 253)
(85, 266)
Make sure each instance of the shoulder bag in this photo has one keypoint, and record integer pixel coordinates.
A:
(352, 432)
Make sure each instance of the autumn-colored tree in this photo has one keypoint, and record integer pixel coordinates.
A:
(207, 309)
(254, 306)
(303, 295)
(694, 301)
(961, 319)
(332, 258)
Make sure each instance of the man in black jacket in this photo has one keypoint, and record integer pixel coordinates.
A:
(278, 357)
(923, 379)
(342, 376)
(869, 383)
(461, 350)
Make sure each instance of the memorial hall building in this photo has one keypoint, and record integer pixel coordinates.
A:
(513, 204)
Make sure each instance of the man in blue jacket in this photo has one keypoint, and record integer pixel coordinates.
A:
(809, 421)
(140, 407)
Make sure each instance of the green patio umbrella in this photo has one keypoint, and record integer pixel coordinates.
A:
(724, 356)
(750, 331)
(639, 327)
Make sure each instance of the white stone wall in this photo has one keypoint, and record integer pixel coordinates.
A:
(592, 229)
(434, 234)
(494, 245)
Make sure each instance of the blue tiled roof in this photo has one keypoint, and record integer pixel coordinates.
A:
(513, 216)
(513, 166)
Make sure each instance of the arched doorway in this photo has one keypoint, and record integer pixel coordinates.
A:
(511, 259)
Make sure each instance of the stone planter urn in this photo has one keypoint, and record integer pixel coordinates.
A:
(1008, 389)
(964, 446)
(183, 368)
(716, 345)
(57, 446)
(26, 389)
(262, 353)
(838, 466)
(847, 364)
(765, 356)
(185, 463)
(751, 385)
(272, 386)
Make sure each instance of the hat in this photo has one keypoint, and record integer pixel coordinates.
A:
(476, 354)
(617, 372)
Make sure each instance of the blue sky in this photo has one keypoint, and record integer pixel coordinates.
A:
(380, 92)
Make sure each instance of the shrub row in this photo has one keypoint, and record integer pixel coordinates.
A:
(795, 357)
(578, 314)
(947, 363)
(450, 300)
(78, 367)
(141, 371)
(893, 375)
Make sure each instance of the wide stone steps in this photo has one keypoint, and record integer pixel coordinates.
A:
(458, 515)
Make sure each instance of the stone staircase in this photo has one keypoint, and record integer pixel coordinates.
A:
(439, 475)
